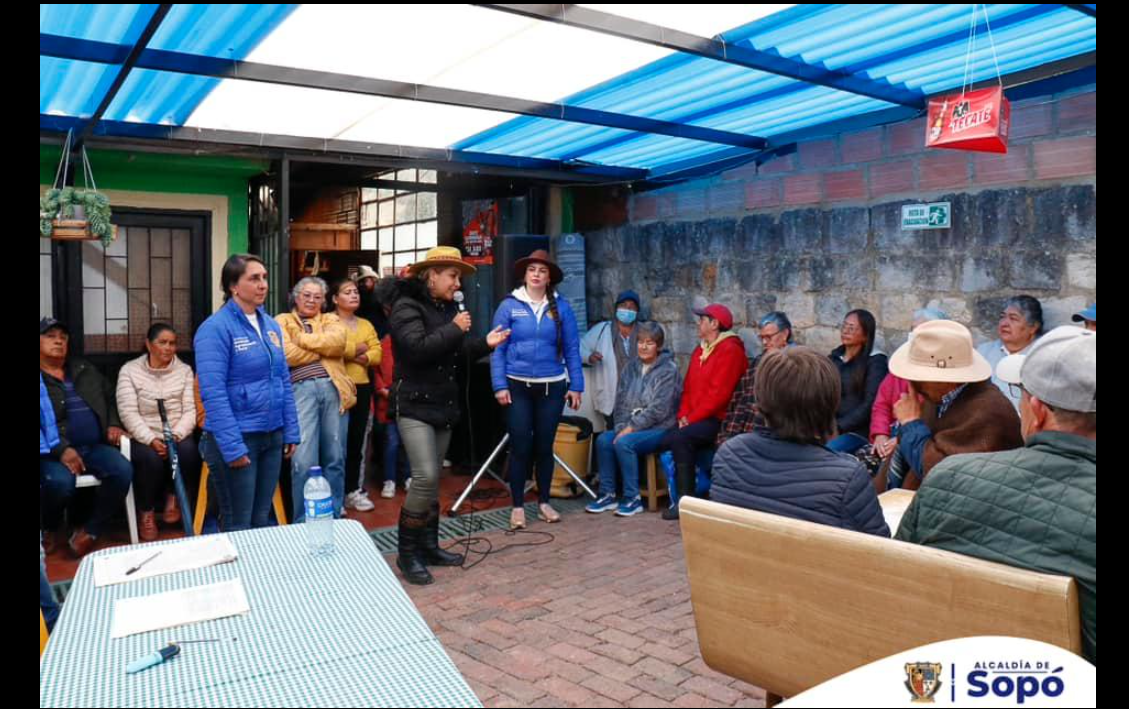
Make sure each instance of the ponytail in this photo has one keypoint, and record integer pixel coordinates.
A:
(554, 312)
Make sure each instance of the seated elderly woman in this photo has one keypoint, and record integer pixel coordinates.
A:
(785, 467)
(646, 403)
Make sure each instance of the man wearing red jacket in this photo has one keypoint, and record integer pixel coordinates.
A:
(716, 366)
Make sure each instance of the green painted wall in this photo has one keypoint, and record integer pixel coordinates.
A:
(181, 174)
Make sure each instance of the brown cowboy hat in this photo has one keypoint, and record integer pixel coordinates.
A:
(440, 257)
(556, 275)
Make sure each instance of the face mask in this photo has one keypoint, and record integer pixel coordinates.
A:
(626, 316)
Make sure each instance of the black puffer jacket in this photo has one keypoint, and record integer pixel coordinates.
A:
(759, 471)
(430, 349)
(854, 408)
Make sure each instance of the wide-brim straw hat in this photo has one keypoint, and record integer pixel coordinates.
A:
(940, 351)
(442, 257)
(556, 275)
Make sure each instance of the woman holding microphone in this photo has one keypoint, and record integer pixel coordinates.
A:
(529, 375)
(429, 335)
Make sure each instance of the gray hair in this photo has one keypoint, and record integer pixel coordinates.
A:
(925, 315)
(305, 282)
(652, 331)
(1030, 309)
(780, 320)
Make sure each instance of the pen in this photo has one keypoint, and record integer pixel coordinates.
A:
(135, 568)
(155, 658)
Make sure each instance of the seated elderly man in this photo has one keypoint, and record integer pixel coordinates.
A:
(86, 412)
(1035, 507)
(716, 366)
(742, 416)
(607, 349)
(964, 412)
(784, 467)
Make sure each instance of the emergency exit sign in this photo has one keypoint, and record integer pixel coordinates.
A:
(937, 215)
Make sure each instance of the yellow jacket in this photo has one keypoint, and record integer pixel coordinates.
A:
(326, 344)
(365, 333)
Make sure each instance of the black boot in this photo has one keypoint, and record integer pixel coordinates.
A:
(684, 482)
(410, 559)
(431, 551)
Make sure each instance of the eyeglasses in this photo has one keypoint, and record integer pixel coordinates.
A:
(849, 329)
(1016, 390)
(769, 337)
(311, 297)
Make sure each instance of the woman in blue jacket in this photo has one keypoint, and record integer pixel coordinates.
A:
(250, 419)
(529, 375)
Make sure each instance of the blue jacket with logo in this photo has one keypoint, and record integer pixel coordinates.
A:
(244, 379)
(532, 349)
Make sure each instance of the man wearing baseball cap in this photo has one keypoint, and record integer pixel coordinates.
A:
(607, 348)
(716, 366)
(1089, 317)
(1034, 507)
(86, 411)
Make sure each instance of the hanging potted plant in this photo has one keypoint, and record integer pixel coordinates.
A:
(74, 213)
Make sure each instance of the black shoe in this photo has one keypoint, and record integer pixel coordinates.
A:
(684, 479)
(410, 545)
(431, 551)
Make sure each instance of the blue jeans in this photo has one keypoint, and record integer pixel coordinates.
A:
(325, 431)
(245, 494)
(56, 486)
(47, 602)
(395, 459)
(533, 418)
(626, 452)
(847, 443)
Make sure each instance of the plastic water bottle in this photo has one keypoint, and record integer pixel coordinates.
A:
(319, 513)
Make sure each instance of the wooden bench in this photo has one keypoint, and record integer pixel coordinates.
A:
(652, 483)
(786, 605)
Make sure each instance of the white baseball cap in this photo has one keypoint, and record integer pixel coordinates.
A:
(1060, 369)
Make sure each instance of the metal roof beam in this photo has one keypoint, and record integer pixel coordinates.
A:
(1090, 10)
(626, 28)
(198, 65)
(344, 150)
(127, 66)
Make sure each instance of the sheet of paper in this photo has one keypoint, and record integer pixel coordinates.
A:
(194, 553)
(176, 608)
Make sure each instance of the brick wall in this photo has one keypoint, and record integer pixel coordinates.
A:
(817, 232)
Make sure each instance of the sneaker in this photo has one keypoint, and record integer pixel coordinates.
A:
(389, 489)
(630, 507)
(605, 503)
(358, 500)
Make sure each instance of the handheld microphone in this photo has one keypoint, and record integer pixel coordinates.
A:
(459, 298)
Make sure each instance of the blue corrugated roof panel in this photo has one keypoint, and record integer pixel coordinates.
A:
(919, 47)
(76, 88)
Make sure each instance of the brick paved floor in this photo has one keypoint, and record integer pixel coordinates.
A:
(600, 616)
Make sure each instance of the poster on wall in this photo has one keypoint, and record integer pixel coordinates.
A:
(480, 228)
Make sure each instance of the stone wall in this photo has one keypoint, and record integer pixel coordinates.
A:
(818, 233)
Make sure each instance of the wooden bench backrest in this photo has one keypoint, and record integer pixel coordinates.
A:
(786, 605)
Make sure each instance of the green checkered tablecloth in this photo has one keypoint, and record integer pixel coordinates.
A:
(336, 631)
